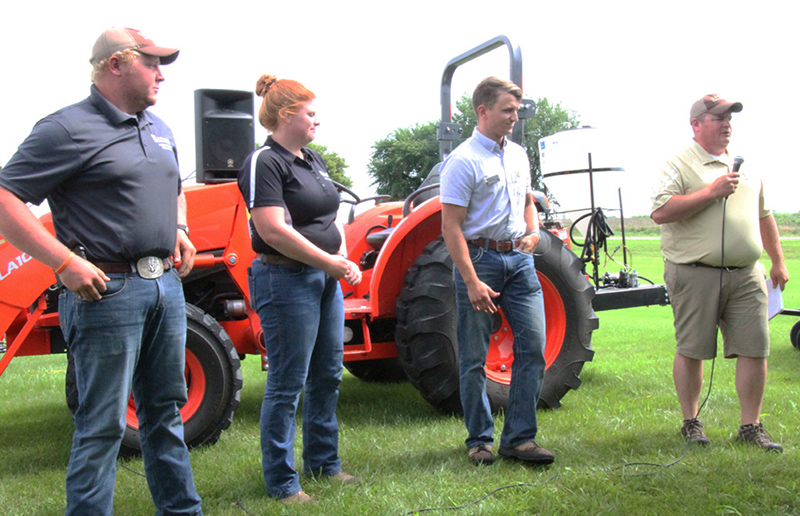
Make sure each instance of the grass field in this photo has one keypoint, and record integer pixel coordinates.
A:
(624, 414)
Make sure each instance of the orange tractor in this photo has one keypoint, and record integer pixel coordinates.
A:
(400, 321)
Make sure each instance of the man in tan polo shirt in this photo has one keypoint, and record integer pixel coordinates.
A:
(714, 226)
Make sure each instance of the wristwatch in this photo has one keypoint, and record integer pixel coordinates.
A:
(184, 228)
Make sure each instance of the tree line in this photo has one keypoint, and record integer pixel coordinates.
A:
(401, 161)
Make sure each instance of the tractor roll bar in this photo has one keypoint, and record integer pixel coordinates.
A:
(447, 131)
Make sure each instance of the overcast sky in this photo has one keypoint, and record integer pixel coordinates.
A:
(632, 69)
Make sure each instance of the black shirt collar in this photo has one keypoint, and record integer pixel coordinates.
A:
(285, 154)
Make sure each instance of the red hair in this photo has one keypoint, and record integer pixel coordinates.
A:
(281, 98)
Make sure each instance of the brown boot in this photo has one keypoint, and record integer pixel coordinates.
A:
(481, 454)
(528, 452)
(299, 498)
(692, 431)
(755, 434)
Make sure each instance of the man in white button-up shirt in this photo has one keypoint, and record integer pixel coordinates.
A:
(490, 226)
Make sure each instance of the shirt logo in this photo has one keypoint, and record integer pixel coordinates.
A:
(162, 142)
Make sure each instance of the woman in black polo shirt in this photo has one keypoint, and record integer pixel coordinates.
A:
(294, 288)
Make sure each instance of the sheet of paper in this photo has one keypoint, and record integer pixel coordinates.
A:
(775, 299)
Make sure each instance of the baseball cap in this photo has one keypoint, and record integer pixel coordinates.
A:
(713, 104)
(115, 40)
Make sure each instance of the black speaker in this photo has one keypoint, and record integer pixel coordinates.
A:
(224, 133)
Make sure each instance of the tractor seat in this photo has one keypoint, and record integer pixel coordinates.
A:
(432, 179)
(376, 239)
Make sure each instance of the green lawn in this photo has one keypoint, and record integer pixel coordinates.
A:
(624, 414)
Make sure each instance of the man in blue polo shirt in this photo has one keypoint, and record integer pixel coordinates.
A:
(109, 172)
(490, 226)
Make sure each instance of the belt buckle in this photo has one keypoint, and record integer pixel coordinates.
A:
(150, 267)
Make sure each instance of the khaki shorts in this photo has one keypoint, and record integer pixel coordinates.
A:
(694, 293)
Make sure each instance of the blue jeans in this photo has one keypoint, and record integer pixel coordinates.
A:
(513, 275)
(133, 338)
(302, 315)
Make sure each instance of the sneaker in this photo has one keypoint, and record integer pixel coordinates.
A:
(481, 454)
(755, 434)
(299, 498)
(528, 452)
(345, 478)
(692, 431)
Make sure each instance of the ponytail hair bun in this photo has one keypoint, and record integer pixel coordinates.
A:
(263, 84)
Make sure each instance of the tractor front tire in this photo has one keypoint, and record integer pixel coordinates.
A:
(426, 328)
(213, 383)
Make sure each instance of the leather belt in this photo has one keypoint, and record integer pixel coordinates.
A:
(148, 267)
(707, 266)
(497, 245)
(278, 259)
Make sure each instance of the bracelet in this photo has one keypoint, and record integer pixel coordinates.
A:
(66, 263)
(533, 232)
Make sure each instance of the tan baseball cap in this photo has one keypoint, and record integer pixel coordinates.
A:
(115, 40)
(713, 104)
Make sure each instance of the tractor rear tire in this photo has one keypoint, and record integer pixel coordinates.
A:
(426, 328)
(213, 382)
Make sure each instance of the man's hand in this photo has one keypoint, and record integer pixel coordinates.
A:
(184, 252)
(530, 242)
(84, 279)
(724, 185)
(771, 240)
(481, 297)
(779, 276)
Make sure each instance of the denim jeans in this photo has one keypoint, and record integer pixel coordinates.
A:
(302, 315)
(513, 275)
(134, 337)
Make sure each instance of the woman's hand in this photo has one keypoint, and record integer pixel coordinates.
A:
(353, 276)
(342, 268)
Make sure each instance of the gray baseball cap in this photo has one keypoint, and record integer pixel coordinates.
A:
(713, 104)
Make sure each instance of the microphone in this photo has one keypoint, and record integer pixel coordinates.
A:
(737, 164)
